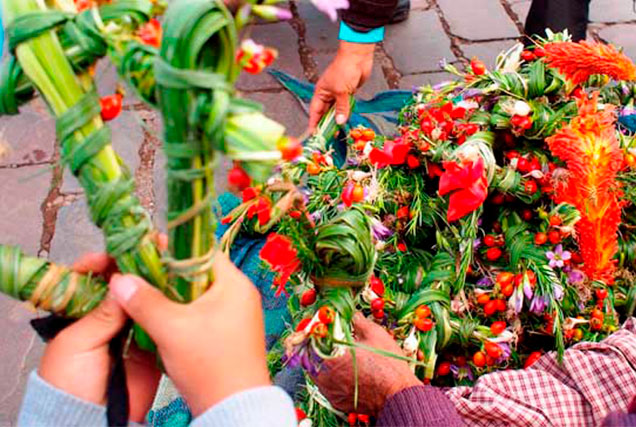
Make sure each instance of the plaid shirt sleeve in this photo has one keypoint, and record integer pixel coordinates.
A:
(594, 380)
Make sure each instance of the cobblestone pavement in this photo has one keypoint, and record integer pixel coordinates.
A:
(44, 210)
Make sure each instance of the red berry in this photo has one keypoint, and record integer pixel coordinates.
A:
(479, 359)
(424, 324)
(489, 240)
(493, 350)
(530, 186)
(596, 323)
(377, 304)
(505, 278)
(300, 414)
(555, 220)
(601, 294)
(478, 67)
(528, 56)
(111, 106)
(412, 162)
(493, 254)
(523, 165)
(532, 359)
(308, 297)
(597, 314)
(422, 311)
(326, 315)
(539, 52)
(498, 327)
(507, 290)
(498, 199)
(352, 418)
(443, 369)
(540, 238)
(526, 214)
(554, 237)
(319, 330)
(303, 324)
(490, 308)
(378, 314)
(500, 304)
(364, 418)
(377, 285)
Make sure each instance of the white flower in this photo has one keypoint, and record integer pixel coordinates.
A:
(468, 104)
(536, 174)
(411, 343)
(368, 295)
(305, 423)
(521, 108)
(359, 175)
(330, 7)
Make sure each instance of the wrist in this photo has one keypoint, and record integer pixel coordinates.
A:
(356, 50)
(349, 34)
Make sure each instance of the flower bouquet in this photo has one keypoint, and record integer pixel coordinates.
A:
(495, 226)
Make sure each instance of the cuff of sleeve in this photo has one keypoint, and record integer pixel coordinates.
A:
(44, 404)
(263, 406)
(348, 34)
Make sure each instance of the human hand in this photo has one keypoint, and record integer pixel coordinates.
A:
(78, 361)
(347, 72)
(211, 348)
(379, 377)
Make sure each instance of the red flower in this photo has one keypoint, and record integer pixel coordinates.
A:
(347, 194)
(262, 210)
(250, 193)
(393, 153)
(469, 185)
(282, 257)
(150, 33)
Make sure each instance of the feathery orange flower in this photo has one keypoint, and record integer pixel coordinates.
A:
(578, 61)
(589, 147)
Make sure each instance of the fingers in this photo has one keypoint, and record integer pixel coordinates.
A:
(317, 109)
(342, 108)
(98, 263)
(365, 329)
(144, 304)
(97, 328)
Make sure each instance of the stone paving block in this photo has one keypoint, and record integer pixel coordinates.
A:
(420, 4)
(419, 43)
(521, 9)
(127, 136)
(320, 33)
(22, 192)
(486, 51)
(621, 35)
(75, 234)
(376, 83)
(20, 350)
(477, 19)
(611, 11)
(28, 137)
(414, 81)
(282, 37)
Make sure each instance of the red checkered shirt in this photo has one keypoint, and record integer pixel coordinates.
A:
(593, 380)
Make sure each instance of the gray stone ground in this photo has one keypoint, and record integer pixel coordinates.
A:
(44, 210)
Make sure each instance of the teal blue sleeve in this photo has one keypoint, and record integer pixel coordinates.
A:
(348, 34)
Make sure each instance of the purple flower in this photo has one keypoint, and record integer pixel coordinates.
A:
(628, 110)
(315, 216)
(476, 243)
(380, 231)
(505, 352)
(461, 372)
(557, 292)
(576, 276)
(484, 282)
(330, 7)
(527, 289)
(517, 299)
(558, 257)
(538, 304)
(471, 93)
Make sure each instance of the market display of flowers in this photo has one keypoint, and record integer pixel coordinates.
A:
(495, 226)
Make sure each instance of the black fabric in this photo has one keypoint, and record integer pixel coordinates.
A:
(558, 15)
(117, 409)
(365, 15)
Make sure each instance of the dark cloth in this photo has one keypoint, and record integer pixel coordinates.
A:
(365, 15)
(424, 406)
(558, 15)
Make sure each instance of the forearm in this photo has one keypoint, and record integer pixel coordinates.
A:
(365, 15)
(422, 406)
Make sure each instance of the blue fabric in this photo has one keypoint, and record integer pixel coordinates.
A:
(348, 34)
(629, 121)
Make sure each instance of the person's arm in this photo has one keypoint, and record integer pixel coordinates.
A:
(419, 406)
(361, 28)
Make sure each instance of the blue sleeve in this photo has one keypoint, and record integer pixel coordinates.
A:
(348, 34)
(263, 407)
(45, 405)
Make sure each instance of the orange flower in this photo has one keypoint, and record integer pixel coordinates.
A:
(589, 147)
(578, 61)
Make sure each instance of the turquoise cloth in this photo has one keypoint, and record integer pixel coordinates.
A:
(348, 34)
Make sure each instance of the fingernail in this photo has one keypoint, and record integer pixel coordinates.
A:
(123, 287)
(341, 119)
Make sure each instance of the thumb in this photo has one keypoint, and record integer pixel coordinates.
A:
(97, 328)
(342, 108)
(145, 304)
(363, 327)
